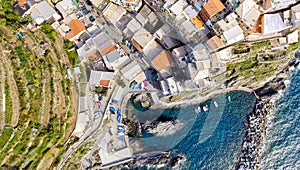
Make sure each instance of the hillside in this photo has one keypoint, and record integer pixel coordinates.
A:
(38, 101)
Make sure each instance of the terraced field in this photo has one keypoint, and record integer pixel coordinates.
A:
(37, 99)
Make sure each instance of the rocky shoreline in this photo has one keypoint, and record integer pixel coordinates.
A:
(258, 119)
(255, 134)
(155, 160)
(256, 126)
(158, 128)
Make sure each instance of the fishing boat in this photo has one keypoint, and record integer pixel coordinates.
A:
(229, 98)
(216, 104)
(205, 108)
(198, 109)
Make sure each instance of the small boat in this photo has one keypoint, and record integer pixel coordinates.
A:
(216, 104)
(199, 109)
(205, 108)
(229, 98)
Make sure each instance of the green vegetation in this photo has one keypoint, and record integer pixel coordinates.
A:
(29, 76)
(42, 128)
(5, 136)
(74, 162)
(101, 90)
(73, 57)
(51, 33)
(260, 45)
(251, 69)
(244, 65)
(120, 82)
(241, 51)
(72, 54)
(8, 104)
(294, 46)
(248, 64)
(68, 44)
(9, 17)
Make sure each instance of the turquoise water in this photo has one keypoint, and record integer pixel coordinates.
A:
(209, 140)
(283, 141)
(213, 140)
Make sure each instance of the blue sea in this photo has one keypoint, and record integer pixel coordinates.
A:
(212, 140)
(283, 140)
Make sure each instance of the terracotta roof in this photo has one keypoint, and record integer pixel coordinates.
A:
(204, 16)
(257, 26)
(197, 22)
(108, 49)
(162, 61)
(76, 27)
(215, 42)
(137, 45)
(213, 7)
(267, 4)
(22, 2)
(129, 0)
(104, 83)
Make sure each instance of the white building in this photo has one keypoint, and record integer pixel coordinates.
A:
(169, 86)
(234, 35)
(65, 7)
(295, 10)
(249, 13)
(133, 72)
(101, 78)
(178, 7)
(114, 13)
(43, 12)
(273, 23)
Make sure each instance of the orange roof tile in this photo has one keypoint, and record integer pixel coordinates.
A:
(162, 61)
(22, 2)
(104, 83)
(108, 49)
(213, 7)
(215, 42)
(137, 45)
(197, 22)
(76, 27)
(262, 24)
(267, 4)
(204, 16)
(129, 0)
(257, 26)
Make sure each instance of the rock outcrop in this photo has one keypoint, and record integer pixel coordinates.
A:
(158, 128)
(143, 99)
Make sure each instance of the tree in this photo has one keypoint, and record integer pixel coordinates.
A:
(46, 28)
(101, 90)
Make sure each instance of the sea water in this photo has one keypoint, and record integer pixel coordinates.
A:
(210, 140)
(282, 150)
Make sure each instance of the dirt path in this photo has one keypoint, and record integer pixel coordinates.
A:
(14, 94)
(45, 112)
(46, 162)
(2, 93)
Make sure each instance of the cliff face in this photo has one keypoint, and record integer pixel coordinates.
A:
(279, 83)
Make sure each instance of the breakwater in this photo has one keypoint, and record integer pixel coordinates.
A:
(255, 134)
(258, 119)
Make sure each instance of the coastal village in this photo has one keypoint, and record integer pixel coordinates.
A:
(163, 48)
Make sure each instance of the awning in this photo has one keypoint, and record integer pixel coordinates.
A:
(112, 109)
